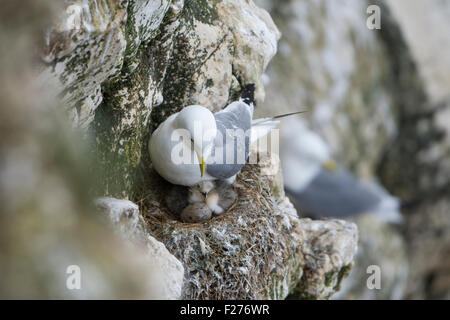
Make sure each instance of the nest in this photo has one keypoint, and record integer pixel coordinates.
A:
(249, 252)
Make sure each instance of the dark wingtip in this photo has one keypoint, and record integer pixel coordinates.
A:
(248, 93)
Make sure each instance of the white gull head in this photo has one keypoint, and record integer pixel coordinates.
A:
(196, 126)
(201, 125)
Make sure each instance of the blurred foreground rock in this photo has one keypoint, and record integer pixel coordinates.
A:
(46, 222)
(128, 221)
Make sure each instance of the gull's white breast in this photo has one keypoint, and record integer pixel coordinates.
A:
(160, 149)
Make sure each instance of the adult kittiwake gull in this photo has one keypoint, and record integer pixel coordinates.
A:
(320, 187)
(196, 145)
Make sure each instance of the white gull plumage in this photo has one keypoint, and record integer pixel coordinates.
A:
(321, 188)
(209, 133)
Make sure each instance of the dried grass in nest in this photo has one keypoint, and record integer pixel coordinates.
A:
(238, 255)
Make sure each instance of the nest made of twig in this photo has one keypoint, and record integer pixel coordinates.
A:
(233, 255)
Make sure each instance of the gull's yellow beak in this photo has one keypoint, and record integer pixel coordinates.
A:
(330, 165)
(202, 166)
(201, 162)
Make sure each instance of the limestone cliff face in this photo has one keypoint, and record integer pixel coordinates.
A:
(124, 66)
(120, 67)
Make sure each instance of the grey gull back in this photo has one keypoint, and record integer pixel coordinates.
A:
(335, 195)
(234, 124)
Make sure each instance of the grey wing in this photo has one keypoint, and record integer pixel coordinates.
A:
(335, 195)
(231, 147)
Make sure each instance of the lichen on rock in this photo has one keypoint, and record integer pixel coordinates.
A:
(193, 56)
(84, 49)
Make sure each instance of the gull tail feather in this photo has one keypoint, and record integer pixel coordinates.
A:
(269, 119)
